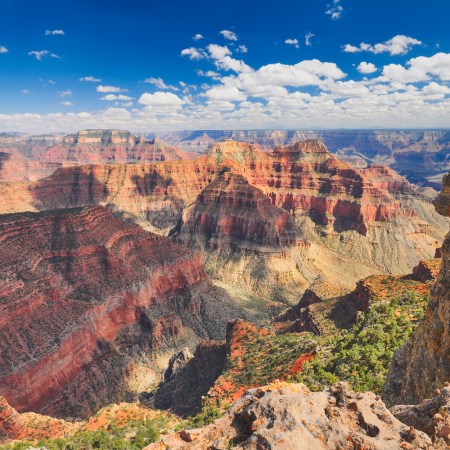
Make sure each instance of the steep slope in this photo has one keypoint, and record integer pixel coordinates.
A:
(373, 214)
(110, 146)
(271, 224)
(220, 372)
(423, 363)
(90, 305)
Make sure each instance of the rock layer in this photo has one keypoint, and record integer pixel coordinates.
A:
(270, 223)
(82, 295)
(110, 146)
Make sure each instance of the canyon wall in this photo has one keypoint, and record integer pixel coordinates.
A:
(84, 297)
(423, 363)
(288, 218)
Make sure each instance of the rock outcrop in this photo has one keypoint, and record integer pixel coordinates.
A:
(423, 363)
(86, 298)
(289, 417)
(110, 146)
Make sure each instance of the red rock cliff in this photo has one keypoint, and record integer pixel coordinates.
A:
(78, 290)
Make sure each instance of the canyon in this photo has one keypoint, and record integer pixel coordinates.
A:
(134, 272)
(271, 224)
(88, 302)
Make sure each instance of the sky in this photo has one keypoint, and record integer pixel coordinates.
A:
(150, 65)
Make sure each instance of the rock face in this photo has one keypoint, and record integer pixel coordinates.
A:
(269, 223)
(289, 417)
(421, 155)
(84, 296)
(110, 146)
(431, 416)
(220, 372)
(15, 167)
(423, 363)
(183, 392)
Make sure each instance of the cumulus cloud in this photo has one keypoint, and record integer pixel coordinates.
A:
(293, 42)
(105, 89)
(197, 37)
(421, 68)
(161, 100)
(67, 103)
(335, 10)
(230, 35)
(112, 97)
(3, 50)
(398, 45)
(159, 83)
(54, 32)
(193, 53)
(222, 59)
(90, 79)
(308, 37)
(39, 55)
(366, 68)
(242, 49)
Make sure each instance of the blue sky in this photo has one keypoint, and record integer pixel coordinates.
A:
(368, 64)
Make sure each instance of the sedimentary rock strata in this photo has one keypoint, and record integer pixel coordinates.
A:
(110, 146)
(288, 218)
(84, 295)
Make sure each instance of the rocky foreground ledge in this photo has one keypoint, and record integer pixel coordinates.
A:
(290, 416)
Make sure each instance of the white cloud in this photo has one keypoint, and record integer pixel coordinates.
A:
(66, 93)
(90, 79)
(230, 35)
(420, 69)
(398, 45)
(51, 82)
(208, 73)
(222, 59)
(41, 53)
(25, 91)
(106, 89)
(112, 97)
(197, 37)
(308, 37)
(242, 49)
(366, 68)
(159, 83)
(335, 10)
(193, 53)
(54, 32)
(161, 100)
(3, 50)
(225, 93)
(293, 42)
(67, 103)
